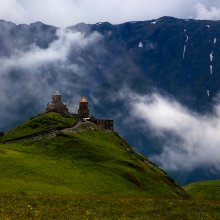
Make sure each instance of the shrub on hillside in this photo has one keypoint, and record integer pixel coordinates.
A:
(1, 133)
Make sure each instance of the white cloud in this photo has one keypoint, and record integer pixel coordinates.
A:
(12, 10)
(57, 51)
(208, 13)
(190, 139)
(68, 12)
(33, 74)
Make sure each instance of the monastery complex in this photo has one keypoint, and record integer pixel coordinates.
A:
(56, 105)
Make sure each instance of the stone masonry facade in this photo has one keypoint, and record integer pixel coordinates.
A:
(56, 105)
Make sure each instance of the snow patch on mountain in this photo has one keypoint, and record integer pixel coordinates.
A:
(154, 22)
(208, 93)
(184, 48)
(140, 45)
(211, 56)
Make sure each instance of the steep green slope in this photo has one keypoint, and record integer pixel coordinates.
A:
(42, 123)
(204, 189)
(89, 160)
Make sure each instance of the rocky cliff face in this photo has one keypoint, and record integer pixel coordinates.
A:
(175, 57)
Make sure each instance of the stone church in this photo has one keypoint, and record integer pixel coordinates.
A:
(56, 105)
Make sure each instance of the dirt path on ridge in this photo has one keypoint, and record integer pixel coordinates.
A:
(48, 135)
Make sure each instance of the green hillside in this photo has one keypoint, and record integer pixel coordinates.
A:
(204, 189)
(42, 123)
(85, 172)
(87, 160)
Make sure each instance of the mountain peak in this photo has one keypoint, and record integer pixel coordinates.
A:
(7, 23)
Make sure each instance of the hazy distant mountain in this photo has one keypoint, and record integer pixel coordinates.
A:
(175, 57)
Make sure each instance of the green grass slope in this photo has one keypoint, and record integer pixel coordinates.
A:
(204, 189)
(99, 207)
(42, 123)
(90, 160)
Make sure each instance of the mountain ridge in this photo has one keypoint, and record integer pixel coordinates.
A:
(102, 69)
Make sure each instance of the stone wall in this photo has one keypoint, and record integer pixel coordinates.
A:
(106, 124)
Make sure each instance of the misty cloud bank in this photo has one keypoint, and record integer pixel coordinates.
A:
(58, 51)
(29, 76)
(64, 13)
(190, 140)
(208, 13)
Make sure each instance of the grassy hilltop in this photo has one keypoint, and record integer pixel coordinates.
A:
(40, 124)
(85, 172)
(89, 160)
(204, 189)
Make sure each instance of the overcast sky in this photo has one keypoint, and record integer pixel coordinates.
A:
(63, 13)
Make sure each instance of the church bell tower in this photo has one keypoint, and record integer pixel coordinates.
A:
(83, 108)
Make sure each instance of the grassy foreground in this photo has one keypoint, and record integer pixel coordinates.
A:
(105, 207)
